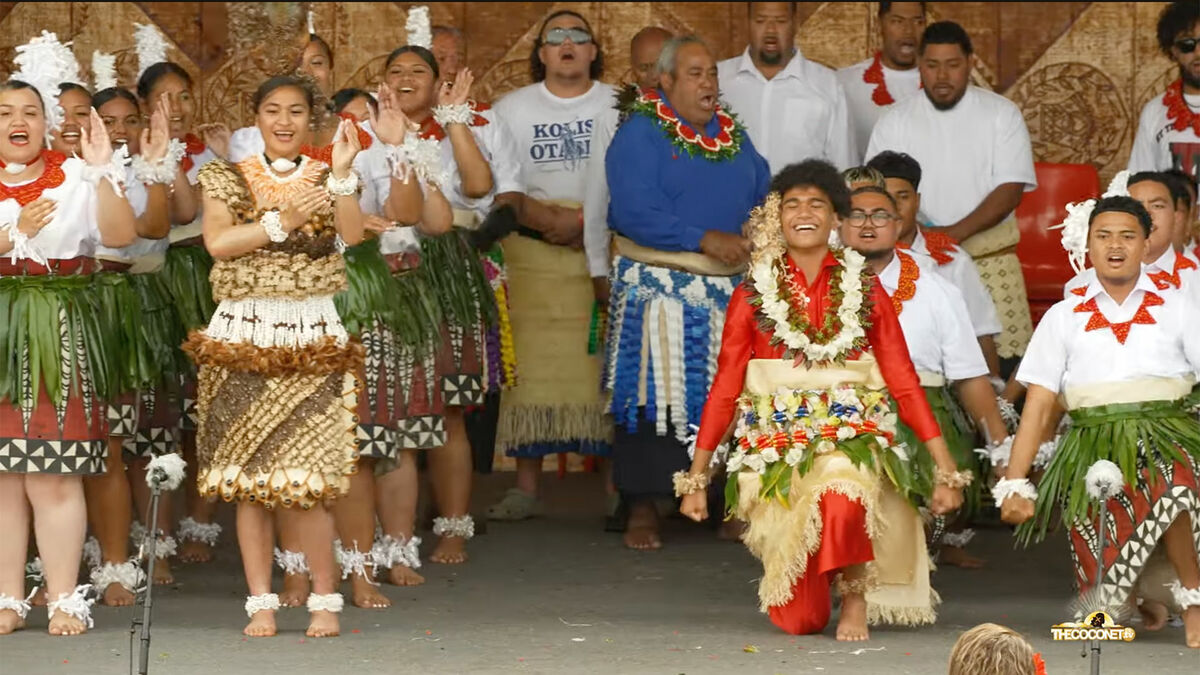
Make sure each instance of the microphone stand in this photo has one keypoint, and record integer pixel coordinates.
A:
(160, 480)
(1094, 645)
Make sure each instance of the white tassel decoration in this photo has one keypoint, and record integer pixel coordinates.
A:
(416, 25)
(104, 71)
(151, 46)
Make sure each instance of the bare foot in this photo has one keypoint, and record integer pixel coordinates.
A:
(404, 576)
(1191, 623)
(295, 590)
(852, 625)
(323, 624)
(162, 573)
(195, 552)
(1154, 614)
(65, 624)
(10, 621)
(39, 599)
(366, 594)
(731, 530)
(641, 533)
(958, 557)
(262, 624)
(117, 595)
(450, 551)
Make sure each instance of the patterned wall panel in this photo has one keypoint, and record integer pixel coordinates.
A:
(1080, 71)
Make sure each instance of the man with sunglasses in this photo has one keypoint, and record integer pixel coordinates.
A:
(557, 260)
(1168, 134)
(794, 109)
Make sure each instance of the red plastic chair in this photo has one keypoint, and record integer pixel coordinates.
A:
(1043, 260)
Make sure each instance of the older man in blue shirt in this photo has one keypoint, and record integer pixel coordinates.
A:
(682, 176)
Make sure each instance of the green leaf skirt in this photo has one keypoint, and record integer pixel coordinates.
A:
(402, 301)
(1143, 439)
(451, 266)
(150, 329)
(186, 275)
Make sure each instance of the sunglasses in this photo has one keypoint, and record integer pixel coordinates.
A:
(557, 36)
(1186, 45)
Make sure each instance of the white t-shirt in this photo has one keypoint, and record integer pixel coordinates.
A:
(1063, 354)
(799, 114)
(73, 231)
(965, 152)
(558, 142)
(964, 276)
(864, 112)
(934, 321)
(1158, 146)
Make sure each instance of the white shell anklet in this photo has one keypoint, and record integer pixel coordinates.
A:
(1185, 597)
(332, 602)
(390, 551)
(458, 526)
(260, 603)
(292, 562)
(354, 561)
(129, 575)
(205, 533)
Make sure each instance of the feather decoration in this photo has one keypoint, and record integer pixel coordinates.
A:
(46, 63)
(104, 71)
(151, 46)
(312, 30)
(416, 25)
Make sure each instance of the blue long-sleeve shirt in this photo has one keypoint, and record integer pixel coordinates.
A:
(665, 199)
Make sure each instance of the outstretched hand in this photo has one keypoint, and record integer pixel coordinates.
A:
(94, 144)
(390, 124)
(459, 91)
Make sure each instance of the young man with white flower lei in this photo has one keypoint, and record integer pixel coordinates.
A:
(803, 367)
(1130, 411)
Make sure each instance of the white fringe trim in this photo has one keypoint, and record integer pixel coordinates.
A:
(458, 526)
(1184, 597)
(91, 552)
(390, 551)
(129, 575)
(291, 562)
(332, 602)
(277, 322)
(162, 171)
(76, 604)
(21, 607)
(259, 603)
(205, 533)
(354, 561)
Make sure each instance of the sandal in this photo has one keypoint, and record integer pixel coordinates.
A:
(516, 505)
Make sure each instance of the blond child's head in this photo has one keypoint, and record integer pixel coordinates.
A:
(992, 649)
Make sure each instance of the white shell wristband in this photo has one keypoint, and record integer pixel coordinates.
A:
(342, 187)
(1007, 487)
(273, 224)
(459, 113)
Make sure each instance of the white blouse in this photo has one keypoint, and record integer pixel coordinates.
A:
(74, 230)
(136, 193)
(1063, 354)
(935, 325)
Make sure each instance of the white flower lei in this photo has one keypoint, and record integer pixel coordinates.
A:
(775, 308)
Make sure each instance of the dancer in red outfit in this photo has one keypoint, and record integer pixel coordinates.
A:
(813, 444)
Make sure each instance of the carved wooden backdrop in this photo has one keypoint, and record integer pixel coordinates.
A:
(1080, 71)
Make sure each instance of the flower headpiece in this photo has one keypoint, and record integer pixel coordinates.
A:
(104, 71)
(47, 63)
(1075, 225)
(417, 26)
(151, 46)
(764, 230)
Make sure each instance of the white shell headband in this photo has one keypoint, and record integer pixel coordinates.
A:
(1075, 225)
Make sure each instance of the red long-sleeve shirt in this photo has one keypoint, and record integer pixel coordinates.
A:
(743, 340)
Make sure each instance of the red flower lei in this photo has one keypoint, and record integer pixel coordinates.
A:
(1178, 111)
(725, 145)
(325, 153)
(1121, 330)
(874, 75)
(940, 246)
(431, 129)
(192, 146)
(1164, 280)
(52, 176)
(906, 288)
